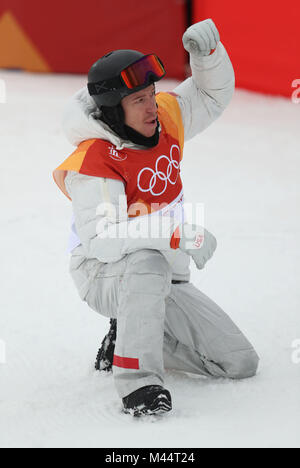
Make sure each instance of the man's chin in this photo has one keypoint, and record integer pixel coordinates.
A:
(149, 132)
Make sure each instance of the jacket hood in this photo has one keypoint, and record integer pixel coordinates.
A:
(81, 122)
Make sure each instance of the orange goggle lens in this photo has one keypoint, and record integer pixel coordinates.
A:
(140, 72)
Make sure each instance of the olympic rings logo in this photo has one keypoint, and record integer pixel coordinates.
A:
(157, 174)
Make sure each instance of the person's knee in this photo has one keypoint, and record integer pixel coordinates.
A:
(244, 364)
(148, 261)
(148, 271)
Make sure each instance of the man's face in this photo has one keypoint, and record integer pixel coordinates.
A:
(141, 111)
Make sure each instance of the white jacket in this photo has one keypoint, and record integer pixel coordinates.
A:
(202, 99)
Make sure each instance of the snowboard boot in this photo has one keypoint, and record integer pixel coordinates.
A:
(105, 354)
(149, 400)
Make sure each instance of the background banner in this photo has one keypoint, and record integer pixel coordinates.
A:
(65, 36)
(262, 39)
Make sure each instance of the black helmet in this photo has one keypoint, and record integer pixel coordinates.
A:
(120, 73)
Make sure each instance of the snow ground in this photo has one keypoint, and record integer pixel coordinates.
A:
(247, 175)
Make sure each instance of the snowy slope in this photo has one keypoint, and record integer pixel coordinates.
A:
(248, 164)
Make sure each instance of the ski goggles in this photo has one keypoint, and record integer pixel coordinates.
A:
(143, 71)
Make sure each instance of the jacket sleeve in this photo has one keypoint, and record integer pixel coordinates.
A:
(204, 96)
(102, 223)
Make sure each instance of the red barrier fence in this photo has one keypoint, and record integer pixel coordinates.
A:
(262, 38)
(67, 36)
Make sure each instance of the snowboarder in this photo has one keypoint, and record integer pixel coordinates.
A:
(123, 179)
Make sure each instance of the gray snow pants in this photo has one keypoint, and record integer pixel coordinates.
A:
(163, 325)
